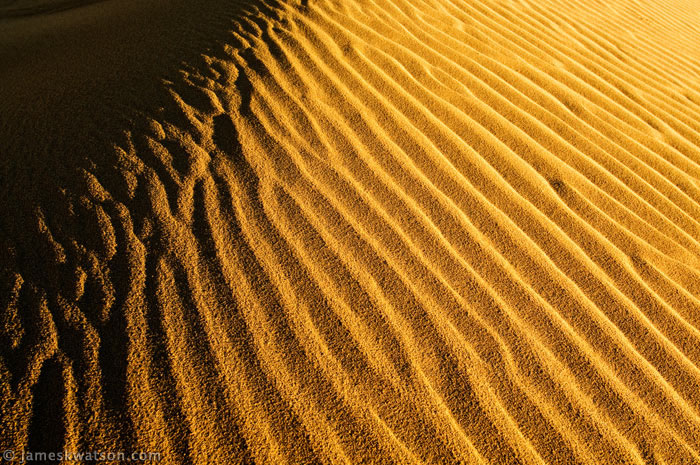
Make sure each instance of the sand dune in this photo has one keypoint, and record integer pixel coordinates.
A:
(351, 231)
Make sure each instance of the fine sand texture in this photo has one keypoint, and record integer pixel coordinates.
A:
(351, 231)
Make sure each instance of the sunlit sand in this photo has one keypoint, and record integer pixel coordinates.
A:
(351, 231)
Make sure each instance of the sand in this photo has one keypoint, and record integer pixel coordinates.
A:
(351, 231)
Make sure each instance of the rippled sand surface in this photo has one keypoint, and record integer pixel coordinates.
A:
(351, 231)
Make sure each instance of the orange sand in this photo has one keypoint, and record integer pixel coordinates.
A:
(351, 231)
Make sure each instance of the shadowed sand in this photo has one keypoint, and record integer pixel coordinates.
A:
(349, 231)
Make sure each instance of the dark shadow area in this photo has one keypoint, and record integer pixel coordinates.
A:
(47, 429)
(72, 85)
(226, 136)
(14, 9)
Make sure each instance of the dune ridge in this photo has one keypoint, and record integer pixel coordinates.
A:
(367, 231)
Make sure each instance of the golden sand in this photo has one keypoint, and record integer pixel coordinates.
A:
(351, 231)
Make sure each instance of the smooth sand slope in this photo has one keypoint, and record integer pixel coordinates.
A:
(351, 231)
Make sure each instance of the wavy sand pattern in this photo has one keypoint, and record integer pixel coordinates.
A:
(352, 231)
